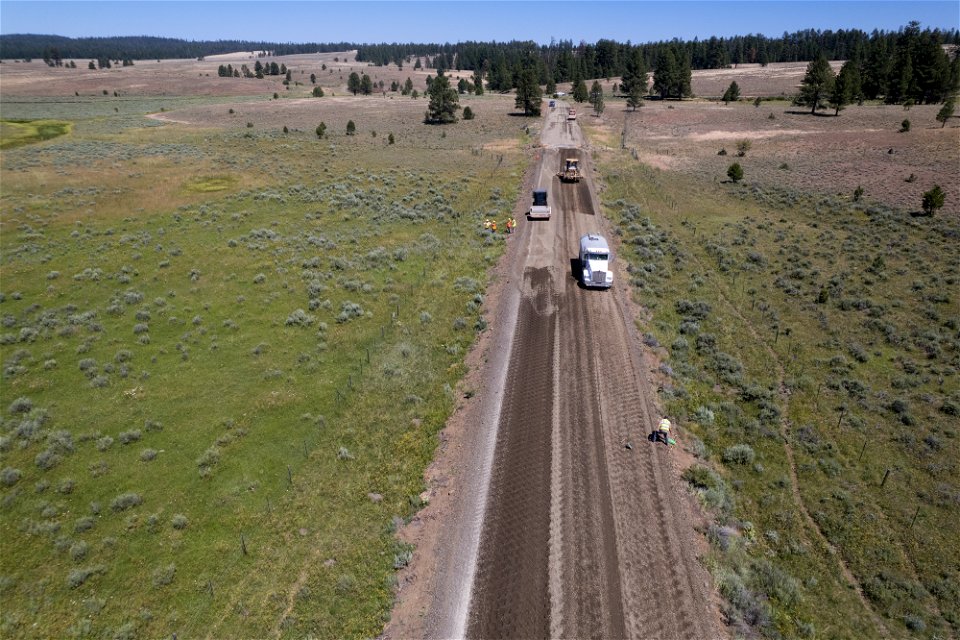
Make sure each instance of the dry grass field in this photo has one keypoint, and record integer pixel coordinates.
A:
(792, 149)
(199, 77)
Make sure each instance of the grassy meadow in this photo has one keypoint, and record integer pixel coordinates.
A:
(227, 351)
(809, 349)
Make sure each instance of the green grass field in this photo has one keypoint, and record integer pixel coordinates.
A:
(810, 351)
(226, 358)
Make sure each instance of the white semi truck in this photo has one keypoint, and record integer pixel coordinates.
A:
(595, 259)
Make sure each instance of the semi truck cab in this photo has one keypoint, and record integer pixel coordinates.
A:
(595, 261)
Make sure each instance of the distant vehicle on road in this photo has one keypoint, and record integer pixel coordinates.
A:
(553, 103)
(595, 261)
(571, 114)
(540, 209)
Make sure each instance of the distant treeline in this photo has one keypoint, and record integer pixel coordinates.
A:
(608, 58)
(910, 63)
(30, 46)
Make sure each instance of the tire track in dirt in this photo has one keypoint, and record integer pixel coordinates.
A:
(590, 550)
(652, 549)
(511, 587)
(581, 537)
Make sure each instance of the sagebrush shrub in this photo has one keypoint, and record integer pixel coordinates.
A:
(739, 454)
(126, 501)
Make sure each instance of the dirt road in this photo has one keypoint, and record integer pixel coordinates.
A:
(582, 536)
(545, 523)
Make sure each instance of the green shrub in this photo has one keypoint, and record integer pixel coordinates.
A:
(735, 172)
(126, 501)
(702, 477)
(739, 454)
(9, 476)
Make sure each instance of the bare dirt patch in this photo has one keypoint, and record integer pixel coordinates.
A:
(792, 149)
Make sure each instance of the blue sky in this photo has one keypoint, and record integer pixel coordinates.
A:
(453, 20)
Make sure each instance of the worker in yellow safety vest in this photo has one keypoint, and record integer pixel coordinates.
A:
(664, 430)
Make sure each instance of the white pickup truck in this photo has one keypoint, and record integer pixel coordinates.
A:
(595, 261)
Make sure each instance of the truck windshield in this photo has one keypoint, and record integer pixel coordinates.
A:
(598, 256)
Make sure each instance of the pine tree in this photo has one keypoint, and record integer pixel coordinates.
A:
(732, 94)
(735, 172)
(579, 92)
(366, 85)
(313, 78)
(353, 83)
(635, 97)
(478, 82)
(635, 73)
(444, 101)
(551, 87)
(407, 87)
(685, 84)
(667, 74)
(933, 200)
(529, 96)
(844, 86)
(596, 97)
(945, 113)
(875, 69)
(816, 84)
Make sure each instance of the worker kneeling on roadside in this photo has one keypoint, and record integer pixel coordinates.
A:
(663, 431)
